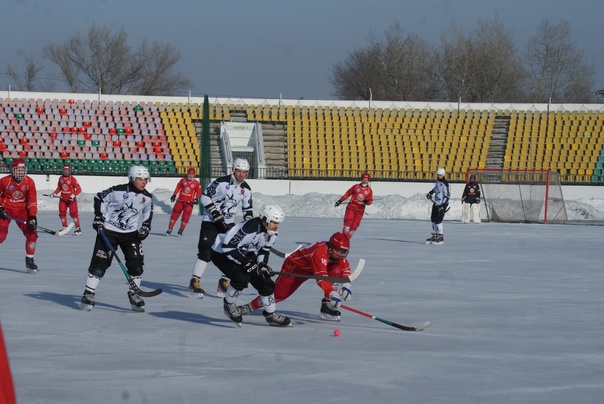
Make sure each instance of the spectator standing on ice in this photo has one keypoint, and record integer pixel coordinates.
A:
(470, 198)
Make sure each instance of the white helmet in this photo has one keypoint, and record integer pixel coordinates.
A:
(440, 171)
(272, 213)
(138, 172)
(241, 164)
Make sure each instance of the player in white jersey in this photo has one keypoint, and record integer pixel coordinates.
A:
(221, 200)
(439, 195)
(242, 255)
(126, 205)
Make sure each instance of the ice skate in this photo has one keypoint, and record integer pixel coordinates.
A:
(195, 289)
(78, 231)
(223, 284)
(87, 302)
(245, 309)
(232, 312)
(31, 266)
(439, 240)
(327, 313)
(169, 231)
(137, 303)
(277, 320)
(432, 238)
(179, 232)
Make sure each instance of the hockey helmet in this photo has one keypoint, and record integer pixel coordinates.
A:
(19, 169)
(272, 213)
(340, 241)
(191, 171)
(366, 175)
(138, 172)
(441, 171)
(338, 246)
(66, 170)
(472, 178)
(241, 164)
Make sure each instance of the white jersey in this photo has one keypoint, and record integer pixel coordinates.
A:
(246, 238)
(125, 206)
(225, 194)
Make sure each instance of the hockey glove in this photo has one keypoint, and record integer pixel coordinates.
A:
(219, 220)
(55, 195)
(338, 203)
(477, 200)
(196, 201)
(173, 198)
(247, 216)
(32, 222)
(429, 195)
(264, 270)
(250, 266)
(345, 290)
(3, 213)
(71, 197)
(98, 224)
(143, 232)
(334, 300)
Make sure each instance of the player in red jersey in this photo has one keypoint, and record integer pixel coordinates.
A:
(360, 196)
(68, 189)
(186, 194)
(18, 199)
(323, 258)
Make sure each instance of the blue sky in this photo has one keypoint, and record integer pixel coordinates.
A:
(270, 48)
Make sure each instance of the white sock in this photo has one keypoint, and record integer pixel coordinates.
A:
(269, 303)
(199, 268)
(92, 282)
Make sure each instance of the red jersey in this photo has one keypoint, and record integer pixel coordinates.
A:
(359, 195)
(19, 195)
(68, 186)
(314, 260)
(187, 190)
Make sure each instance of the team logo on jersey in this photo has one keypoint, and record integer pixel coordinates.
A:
(11, 187)
(242, 191)
(18, 195)
(126, 196)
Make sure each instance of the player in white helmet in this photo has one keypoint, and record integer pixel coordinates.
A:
(125, 206)
(221, 200)
(242, 255)
(439, 195)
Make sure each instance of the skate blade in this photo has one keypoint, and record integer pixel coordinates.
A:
(32, 271)
(196, 295)
(86, 307)
(220, 293)
(329, 317)
(229, 317)
(281, 325)
(137, 309)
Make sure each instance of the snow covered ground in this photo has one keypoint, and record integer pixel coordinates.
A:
(516, 312)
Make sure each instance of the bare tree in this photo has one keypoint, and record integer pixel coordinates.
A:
(483, 67)
(558, 71)
(29, 79)
(400, 68)
(103, 60)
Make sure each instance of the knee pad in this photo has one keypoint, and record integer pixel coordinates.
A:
(96, 271)
(135, 271)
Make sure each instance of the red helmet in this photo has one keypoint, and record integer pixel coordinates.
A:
(340, 241)
(19, 169)
(366, 175)
(66, 170)
(191, 171)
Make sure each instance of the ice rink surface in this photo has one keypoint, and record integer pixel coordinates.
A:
(517, 313)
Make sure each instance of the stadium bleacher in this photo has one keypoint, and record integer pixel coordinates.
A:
(328, 140)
